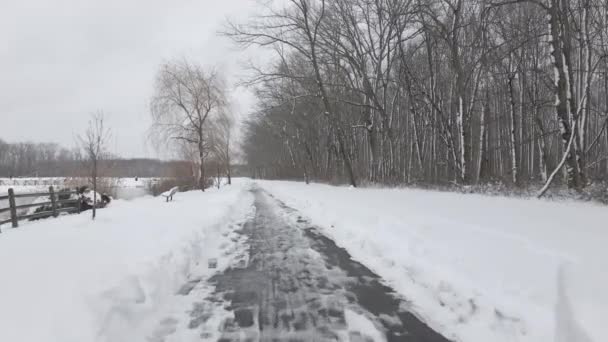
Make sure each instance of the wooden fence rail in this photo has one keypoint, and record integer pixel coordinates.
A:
(54, 202)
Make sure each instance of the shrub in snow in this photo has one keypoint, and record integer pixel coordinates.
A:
(87, 196)
(162, 185)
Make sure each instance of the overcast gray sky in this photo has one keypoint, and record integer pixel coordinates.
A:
(61, 60)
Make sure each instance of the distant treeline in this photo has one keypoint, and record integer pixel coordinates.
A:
(51, 160)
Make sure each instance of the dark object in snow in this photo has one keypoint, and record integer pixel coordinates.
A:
(63, 201)
(86, 198)
(212, 263)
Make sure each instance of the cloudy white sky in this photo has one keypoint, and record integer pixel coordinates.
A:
(61, 60)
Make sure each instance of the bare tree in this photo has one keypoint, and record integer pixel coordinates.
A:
(220, 132)
(298, 27)
(186, 97)
(94, 146)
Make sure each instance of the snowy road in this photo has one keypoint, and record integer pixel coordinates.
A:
(472, 267)
(297, 285)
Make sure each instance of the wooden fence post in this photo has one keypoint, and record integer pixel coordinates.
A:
(53, 201)
(13, 206)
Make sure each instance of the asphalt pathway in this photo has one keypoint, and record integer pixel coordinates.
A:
(297, 285)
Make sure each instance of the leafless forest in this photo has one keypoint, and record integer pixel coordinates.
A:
(51, 160)
(431, 91)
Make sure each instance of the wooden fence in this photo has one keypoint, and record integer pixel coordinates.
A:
(54, 202)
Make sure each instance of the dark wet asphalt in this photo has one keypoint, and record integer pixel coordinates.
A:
(299, 286)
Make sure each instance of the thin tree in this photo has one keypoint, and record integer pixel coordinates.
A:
(94, 144)
(219, 139)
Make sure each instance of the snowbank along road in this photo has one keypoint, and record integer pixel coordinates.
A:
(297, 285)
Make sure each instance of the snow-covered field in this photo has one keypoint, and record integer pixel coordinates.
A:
(127, 188)
(121, 188)
(475, 268)
(31, 182)
(114, 279)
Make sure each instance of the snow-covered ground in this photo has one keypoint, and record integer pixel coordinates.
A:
(475, 268)
(115, 279)
(28, 185)
(31, 184)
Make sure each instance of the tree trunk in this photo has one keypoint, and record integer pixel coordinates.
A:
(94, 188)
(463, 139)
(228, 171)
(522, 160)
(514, 166)
(482, 137)
(587, 76)
(201, 157)
(333, 119)
(606, 113)
(460, 91)
(542, 150)
(219, 175)
(562, 90)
